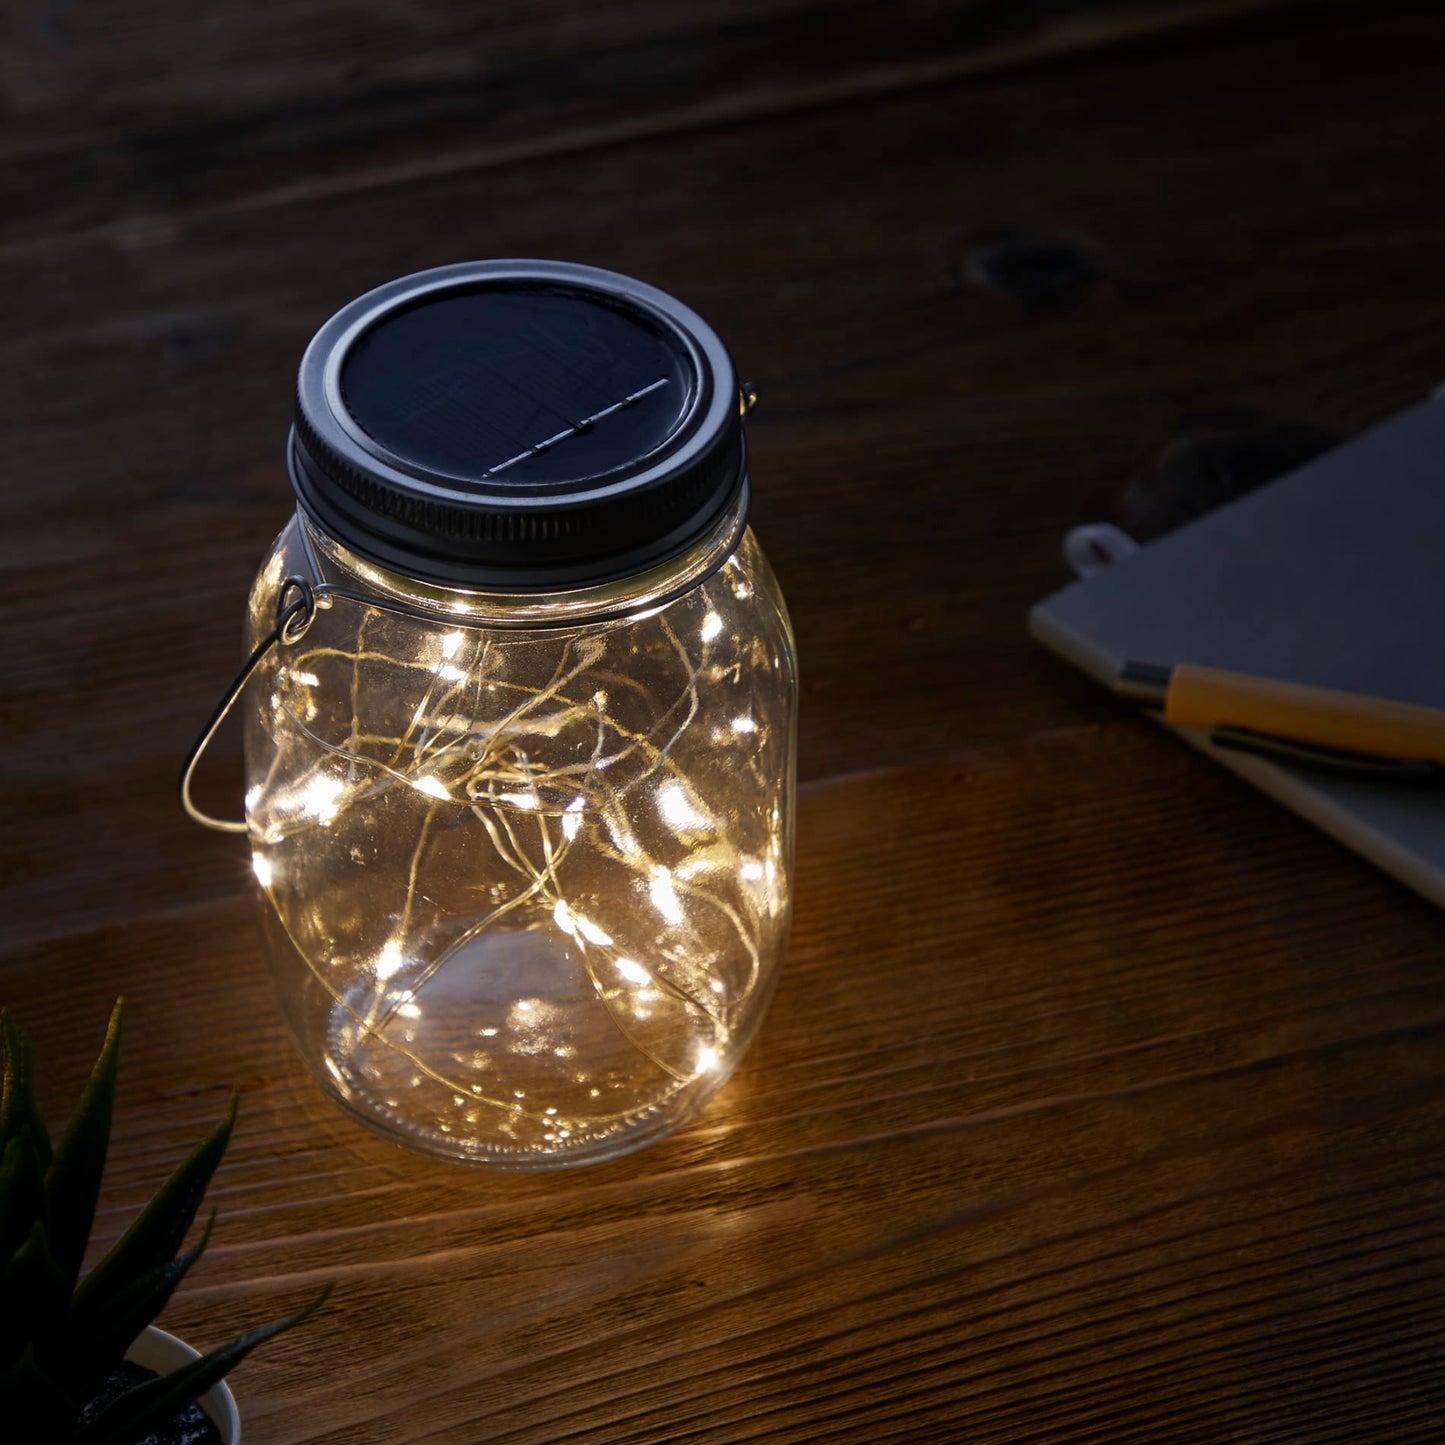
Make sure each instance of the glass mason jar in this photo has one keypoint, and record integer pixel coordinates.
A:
(520, 734)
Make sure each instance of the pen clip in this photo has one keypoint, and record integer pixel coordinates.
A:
(1331, 760)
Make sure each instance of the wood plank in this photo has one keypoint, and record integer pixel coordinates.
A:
(113, 125)
(922, 444)
(1086, 1108)
(1101, 1099)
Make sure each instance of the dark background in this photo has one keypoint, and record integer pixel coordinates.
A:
(997, 269)
(1236, 205)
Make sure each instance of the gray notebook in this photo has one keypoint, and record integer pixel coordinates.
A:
(1333, 575)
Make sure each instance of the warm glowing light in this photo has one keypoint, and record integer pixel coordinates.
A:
(623, 837)
(676, 807)
(319, 797)
(561, 812)
(673, 805)
(388, 961)
(576, 924)
(633, 972)
(572, 819)
(591, 932)
(664, 897)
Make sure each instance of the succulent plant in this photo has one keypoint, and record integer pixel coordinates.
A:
(61, 1337)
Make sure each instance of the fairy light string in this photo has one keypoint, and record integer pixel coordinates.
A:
(553, 774)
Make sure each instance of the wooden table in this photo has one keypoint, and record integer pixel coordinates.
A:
(1102, 1099)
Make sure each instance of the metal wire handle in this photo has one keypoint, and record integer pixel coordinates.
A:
(295, 608)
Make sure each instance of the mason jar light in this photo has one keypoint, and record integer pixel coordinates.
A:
(520, 719)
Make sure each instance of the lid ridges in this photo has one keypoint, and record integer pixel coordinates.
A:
(416, 405)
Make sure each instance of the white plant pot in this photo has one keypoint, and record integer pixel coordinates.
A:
(156, 1350)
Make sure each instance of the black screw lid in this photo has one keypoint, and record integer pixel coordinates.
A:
(517, 425)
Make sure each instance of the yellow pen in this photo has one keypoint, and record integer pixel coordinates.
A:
(1316, 726)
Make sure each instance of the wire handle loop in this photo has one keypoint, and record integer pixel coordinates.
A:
(295, 609)
(300, 597)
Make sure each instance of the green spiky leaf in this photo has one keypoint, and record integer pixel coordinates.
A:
(59, 1343)
(157, 1231)
(22, 1195)
(19, 1116)
(33, 1406)
(143, 1408)
(34, 1295)
(72, 1182)
(95, 1346)
(16, 1086)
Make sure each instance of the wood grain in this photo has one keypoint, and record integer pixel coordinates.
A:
(1101, 1100)
(111, 125)
(1072, 1126)
(922, 442)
